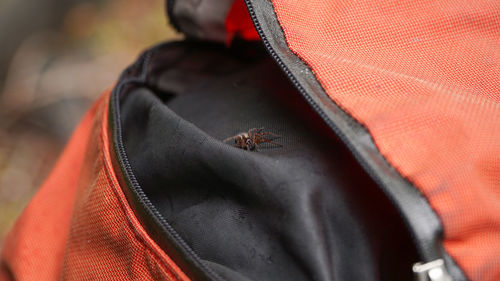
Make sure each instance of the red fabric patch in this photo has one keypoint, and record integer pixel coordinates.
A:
(239, 23)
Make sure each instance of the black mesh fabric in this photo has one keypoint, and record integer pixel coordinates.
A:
(304, 210)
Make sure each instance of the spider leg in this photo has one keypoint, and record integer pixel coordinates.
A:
(270, 136)
(255, 131)
(231, 138)
(277, 144)
(273, 143)
(256, 147)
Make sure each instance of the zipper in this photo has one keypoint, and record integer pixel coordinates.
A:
(431, 271)
(429, 268)
(206, 272)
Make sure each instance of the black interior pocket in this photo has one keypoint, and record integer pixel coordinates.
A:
(300, 210)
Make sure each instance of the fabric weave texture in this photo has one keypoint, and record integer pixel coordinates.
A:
(424, 78)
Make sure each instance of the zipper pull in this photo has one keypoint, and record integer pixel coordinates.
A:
(431, 271)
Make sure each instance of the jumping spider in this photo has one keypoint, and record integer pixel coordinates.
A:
(252, 139)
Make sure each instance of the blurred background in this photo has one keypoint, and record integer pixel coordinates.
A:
(56, 58)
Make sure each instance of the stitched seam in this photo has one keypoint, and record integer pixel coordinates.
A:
(131, 225)
(109, 177)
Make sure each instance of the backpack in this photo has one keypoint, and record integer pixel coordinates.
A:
(284, 140)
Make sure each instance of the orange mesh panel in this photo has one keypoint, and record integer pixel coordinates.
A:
(96, 236)
(424, 78)
(35, 246)
(105, 245)
(106, 241)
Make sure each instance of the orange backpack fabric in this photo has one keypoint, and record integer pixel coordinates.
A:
(79, 225)
(424, 78)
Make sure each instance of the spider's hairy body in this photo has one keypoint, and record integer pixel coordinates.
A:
(250, 140)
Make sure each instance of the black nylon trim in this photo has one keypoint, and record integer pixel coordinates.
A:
(421, 219)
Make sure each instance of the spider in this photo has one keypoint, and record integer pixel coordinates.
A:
(252, 139)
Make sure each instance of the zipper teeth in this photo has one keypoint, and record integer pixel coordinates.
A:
(145, 200)
(332, 125)
(135, 184)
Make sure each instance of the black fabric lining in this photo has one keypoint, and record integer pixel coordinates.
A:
(305, 211)
(421, 219)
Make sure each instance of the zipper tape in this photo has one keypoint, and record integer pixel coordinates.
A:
(422, 222)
